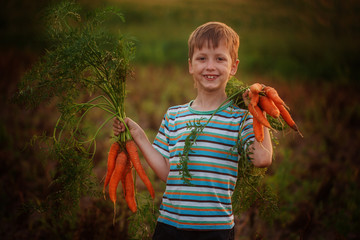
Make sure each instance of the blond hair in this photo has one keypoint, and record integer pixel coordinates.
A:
(213, 33)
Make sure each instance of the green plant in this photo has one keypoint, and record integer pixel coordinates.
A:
(142, 223)
(84, 61)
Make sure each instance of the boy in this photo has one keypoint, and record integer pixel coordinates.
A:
(202, 210)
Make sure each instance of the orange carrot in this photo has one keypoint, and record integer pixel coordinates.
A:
(256, 88)
(131, 148)
(254, 98)
(124, 175)
(119, 169)
(273, 95)
(130, 189)
(258, 114)
(258, 130)
(113, 152)
(269, 106)
(287, 118)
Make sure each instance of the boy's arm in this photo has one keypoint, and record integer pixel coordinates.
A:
(262, 152)
(158, 163)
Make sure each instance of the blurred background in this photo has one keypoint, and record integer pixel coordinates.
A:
(307, 49)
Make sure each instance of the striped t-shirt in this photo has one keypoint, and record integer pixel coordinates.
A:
(213, 162)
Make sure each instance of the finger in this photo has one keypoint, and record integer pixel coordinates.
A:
(120, 127)
(246, 93)
(246, 97)
(117, 123)
(126, 120)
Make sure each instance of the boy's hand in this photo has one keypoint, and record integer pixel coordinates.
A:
(135, 130)
(246, 97)
(118, 127)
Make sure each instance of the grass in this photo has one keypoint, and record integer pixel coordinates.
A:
(298, 39)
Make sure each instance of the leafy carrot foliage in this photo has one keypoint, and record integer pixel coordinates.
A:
(142, 224)
(251, 190)
(84, 60)
(195, 128)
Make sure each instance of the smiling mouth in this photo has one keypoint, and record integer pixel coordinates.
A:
(210, 77)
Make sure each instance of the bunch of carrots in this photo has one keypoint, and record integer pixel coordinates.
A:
(122, 158)
(266, 99)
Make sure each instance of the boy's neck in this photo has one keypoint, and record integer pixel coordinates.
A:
(208, 102)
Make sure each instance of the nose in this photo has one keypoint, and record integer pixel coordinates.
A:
(210, 64)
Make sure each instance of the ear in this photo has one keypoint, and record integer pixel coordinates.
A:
(190, 66)
(234, 67)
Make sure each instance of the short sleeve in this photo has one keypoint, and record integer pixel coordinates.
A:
(161, 141)
(246, 135)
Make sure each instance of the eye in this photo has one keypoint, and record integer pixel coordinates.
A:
(221, 59)
(201, 58)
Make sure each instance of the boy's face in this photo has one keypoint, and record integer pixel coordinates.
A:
(212, 67)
